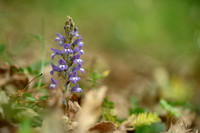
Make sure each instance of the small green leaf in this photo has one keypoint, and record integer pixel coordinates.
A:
(107, 110)
(172, 110)
(14, 70)
(154, 128)
(43, 98)
(31, 99)
(2, 48)
(36, 72)
(141, 119)
(21, 70)
(37, 37)
(36, 121)
(25, 126)
(29, 69)
(28, 94)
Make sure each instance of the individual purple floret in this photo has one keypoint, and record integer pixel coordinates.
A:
(56, 52)
(70, 62)
(76, 57)
(77, 41)
(79, 61)
(74, 79)
(61, 67)
(76, 89)
(54, 83)
(60, 38)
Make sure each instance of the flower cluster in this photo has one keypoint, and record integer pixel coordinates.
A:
(70, 62)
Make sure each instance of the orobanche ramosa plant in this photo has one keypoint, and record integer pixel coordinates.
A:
(70, 62)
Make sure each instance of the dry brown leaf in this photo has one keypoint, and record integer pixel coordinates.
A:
(11, 78)
(188, 117)
(91, 109)
(7, 127)
(73, 110)
(105, 126)
(179, 127)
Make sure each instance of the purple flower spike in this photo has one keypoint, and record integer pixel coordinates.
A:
(70, 62)
(54, 83)
(74, 79)
(76, 89)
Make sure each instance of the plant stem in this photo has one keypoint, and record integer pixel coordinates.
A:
(43, 49)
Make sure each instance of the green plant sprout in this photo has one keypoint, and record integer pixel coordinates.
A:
(107, 114)
(96, 76)
(171, 111)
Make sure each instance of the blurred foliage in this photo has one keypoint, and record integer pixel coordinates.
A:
(178, 90)
(144, 34)
(107, 114)
(25, 126)
(15, 112)
(141, 119)
(95, 77)
(135, 106)
(23, 106)
(4, 54)
(154, 128)
(145, 119)
(173, 111)
(160, 29)
(173, 88)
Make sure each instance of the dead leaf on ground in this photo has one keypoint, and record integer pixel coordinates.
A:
(10, 75)
(105, 126)
(180, 127)
(91, 109)
(73, 110)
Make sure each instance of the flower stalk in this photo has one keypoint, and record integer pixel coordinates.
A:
(70, 62)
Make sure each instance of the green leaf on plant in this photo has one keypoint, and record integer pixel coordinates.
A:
(29, 69)
(21, 70)
(31, 99)
(154, 128)
(2, 48)
(42, 98)
(169, 108)
(36, 121)
(25, 126)
(28, 94)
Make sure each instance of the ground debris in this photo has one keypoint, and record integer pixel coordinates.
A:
(103, 127)
(180, 127)
(91, 109)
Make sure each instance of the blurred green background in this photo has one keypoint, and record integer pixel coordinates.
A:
(132, 37)
(164, 30)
